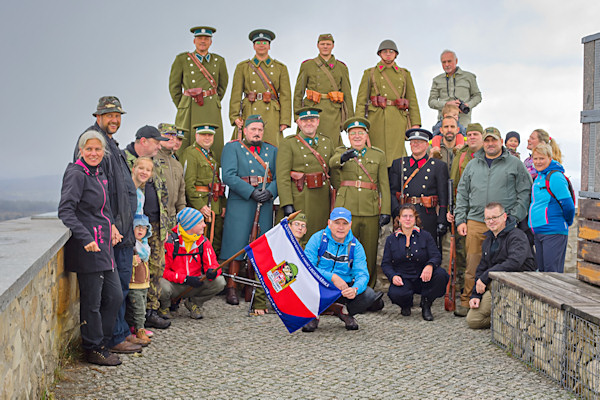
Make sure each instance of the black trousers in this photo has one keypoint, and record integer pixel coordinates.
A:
(360, 303)
(100, 298)
(436, 287)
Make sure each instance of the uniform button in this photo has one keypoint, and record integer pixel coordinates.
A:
(426, 177)
(188, 58)
(423, 188)
(254, 108)
(267, 108)
(192, 72)
(428, 170)
(249, 161)
(306, 165)
(216, 59)
(360, 177)
(304, 155)
(433, 163)
(383, 86)
(325, 148)
(193, 81)
(252, 170)
(253, 81)
(266, 155)
(404, 169)
(359, 189)
(247, 153)
(254, 73)
(271, 72)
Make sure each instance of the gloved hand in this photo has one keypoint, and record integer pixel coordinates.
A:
(193, 281)
(442, 229)
(384, 219)
(211, 274)
(287, 210)
(256, 195)
(264, 196)
(348, 154)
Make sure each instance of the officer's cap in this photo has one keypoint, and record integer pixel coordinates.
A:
(356, 122)
(261, 34)
(387, 45)
(206, 128)
(254, 118)
(309, 112)
(108, 104)
(418, 134)
(203, 31)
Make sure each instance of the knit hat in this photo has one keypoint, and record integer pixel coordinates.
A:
(513, 134)
(188, 218)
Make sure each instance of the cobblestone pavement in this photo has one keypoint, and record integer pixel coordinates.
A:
(228, 355)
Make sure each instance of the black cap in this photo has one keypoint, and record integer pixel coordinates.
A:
(149, 132)
(418, 134)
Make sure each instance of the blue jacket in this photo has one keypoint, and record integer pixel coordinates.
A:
(421, 252)
(335, 259)
(546, 215)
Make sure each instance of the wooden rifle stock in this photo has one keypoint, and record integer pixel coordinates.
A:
(450, 297)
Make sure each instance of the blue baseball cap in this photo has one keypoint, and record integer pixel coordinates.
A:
(340, 212)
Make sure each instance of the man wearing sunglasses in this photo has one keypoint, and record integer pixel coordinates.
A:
(505, 248)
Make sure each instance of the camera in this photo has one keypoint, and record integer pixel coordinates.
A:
(463, 107)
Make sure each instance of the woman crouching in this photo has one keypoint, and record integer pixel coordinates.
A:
(411, 261)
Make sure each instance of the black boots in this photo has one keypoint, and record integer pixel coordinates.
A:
(311, 326)
(426, 309)
(230, 291)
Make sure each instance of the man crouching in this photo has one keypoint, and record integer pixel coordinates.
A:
(189, 255)
(341, 259)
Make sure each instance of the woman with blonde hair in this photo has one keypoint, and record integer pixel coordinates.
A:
(551, 210)
(541, 136)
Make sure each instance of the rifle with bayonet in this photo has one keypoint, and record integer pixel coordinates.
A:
(211, 194)
(240, 114)
(450, 298)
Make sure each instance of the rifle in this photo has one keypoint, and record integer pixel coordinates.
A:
(450, 298)
(211, 193)
(249, 296)
(240, 114)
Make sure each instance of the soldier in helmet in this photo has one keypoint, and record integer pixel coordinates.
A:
(361, 176)
(261, 85)
(197, 85)
(387, 98)
(323, 82)
(303, 171)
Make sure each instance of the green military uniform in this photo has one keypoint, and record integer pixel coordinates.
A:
(293, 155)
(156, 262)
(363, 203)
(313, 77)
(389, 124)
(246, 79)
(199, 165)
(185, 74)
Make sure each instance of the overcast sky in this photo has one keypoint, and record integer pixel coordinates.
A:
(59, 57)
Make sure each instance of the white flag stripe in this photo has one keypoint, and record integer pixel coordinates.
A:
(305, 286)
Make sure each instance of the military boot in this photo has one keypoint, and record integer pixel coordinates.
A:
(349, 320)
(311, 326)
(230, 291)
(426, 309)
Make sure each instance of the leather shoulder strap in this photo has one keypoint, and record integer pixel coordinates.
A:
(204, 71)
(264, 79)
(259, 159)
(361, 165)
(373, 83)
(327, 73)
(415, 172)
(387, 79)
(315, 153)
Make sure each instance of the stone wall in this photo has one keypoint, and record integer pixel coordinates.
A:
(39, 305)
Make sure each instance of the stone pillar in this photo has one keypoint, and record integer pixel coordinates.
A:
(588, 265)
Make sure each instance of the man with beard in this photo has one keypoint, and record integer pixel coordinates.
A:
(147, 144)
(303, 171)
(448, 146)
(244, 163)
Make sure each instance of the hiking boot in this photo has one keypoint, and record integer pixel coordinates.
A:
(154, 321)
(231, 296)
(461, 311)
(173, 307)
(135, 340)
(103, 357)
(311, 326)
(349, 321)
(143, 336)
(426, 309)
(126, 347)
(163, 313)
(405, 311)
(195, 311)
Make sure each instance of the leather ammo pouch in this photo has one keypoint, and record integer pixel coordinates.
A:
(429, 201)
(313, 96)
(336, 97)
(251, 96)
(218, 190)
(314, 180)
(197, 94)
(402, 104)
(266, 97)
(298, 178)
(379, 101)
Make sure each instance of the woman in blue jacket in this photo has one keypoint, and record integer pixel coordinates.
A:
(551, 211)
(411, 261)
(84, 209)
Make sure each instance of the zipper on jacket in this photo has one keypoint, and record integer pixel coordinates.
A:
(112, 259)
(95, 235)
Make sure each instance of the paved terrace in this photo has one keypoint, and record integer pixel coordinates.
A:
(228, 355)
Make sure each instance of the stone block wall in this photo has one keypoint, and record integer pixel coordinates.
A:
(39, 313)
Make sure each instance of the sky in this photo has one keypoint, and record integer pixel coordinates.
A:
(59, 57)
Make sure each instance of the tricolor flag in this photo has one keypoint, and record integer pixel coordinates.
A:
(294, 287)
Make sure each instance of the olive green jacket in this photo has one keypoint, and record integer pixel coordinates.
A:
(462, 85)
(173, 173)
(199, 172)
(312, 77)
(362, 202)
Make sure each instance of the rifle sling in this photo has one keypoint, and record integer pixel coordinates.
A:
(203, 70)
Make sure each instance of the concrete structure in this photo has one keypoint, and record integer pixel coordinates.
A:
(39, 308)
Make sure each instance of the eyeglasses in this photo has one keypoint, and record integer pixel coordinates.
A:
(261, 42)
(490, 219)
(299, 225)
(358, 133)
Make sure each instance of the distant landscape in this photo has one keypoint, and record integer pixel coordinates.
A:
(29, 196)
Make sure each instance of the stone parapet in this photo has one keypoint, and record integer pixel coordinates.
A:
(39, 305)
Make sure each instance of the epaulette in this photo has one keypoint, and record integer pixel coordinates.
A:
(231, 141)
(306, 60)
(342, 148)
(270, 144)
(341, 62)
(377, 149)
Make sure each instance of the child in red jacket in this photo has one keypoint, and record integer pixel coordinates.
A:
(190, 265)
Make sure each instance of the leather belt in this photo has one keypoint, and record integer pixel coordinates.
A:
(254, 180)
(359, 184)
(205, 93)
(425, 201)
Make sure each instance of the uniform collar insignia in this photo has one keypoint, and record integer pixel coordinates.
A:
(268, 61)
(206, 57)
(311, 141)
(363, 152)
